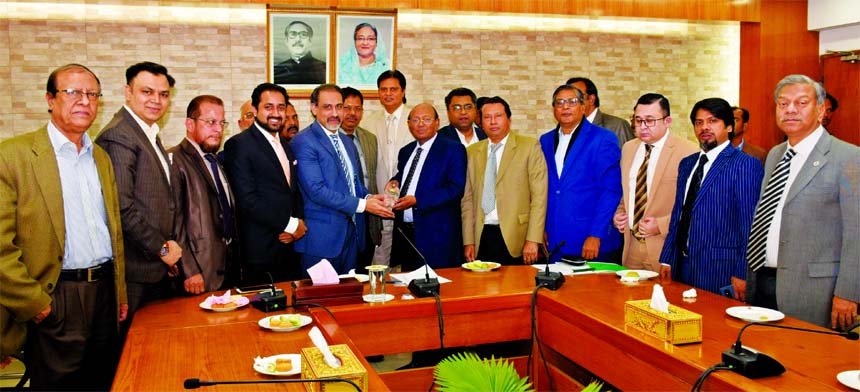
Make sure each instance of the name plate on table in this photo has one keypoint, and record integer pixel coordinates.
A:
(679, 326)
(348, 291)
(314, 366)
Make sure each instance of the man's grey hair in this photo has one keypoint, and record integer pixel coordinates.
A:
(820, 94)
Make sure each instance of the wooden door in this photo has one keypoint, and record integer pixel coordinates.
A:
(842, 80)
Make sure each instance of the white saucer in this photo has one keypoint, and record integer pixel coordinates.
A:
(260, 365)
(370, 298)
(755, 314)
(850, 378)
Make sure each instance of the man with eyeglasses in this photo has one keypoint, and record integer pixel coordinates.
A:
(262, 170)
(715, 198)
(247, 113)
(584, 182)
(205, 198)
(431, 174)
(301, 67)
(620, 127)
(63, 290)
(649, 172)
(462, 113)
(145, 180)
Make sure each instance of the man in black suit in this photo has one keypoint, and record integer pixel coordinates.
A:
(144, 180)
(262, 170)
(301, 67)
(462, 113)
(620, 127)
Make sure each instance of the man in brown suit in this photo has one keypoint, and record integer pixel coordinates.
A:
(504, 224)
(742, 118)
(204, 198)
(61, 251)
(649, 176)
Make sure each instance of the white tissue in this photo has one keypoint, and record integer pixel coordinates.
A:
(658, 299)
(691, 293)
(319, 341)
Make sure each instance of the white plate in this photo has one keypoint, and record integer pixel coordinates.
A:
(260, 365)
(264, 322)
(491, 266)
(850, 378)
(755, 314)
(643, 274)
(376, 298)
(242, 301)
(359, 277)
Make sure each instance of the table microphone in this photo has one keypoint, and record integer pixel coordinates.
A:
(194, 383)
(753, 364)
(550, 280)
(427, 287)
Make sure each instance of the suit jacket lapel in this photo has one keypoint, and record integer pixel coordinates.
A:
(265, 147)
(111, 200)
(47, 173)
(507, 156)
(716, 168)
(817, 159)
(662, 163)
(480, 156)
(144, 141)
(574, 150)
(202, 167)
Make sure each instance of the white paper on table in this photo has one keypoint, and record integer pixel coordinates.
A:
(564, 268)
(658, 299)
(418, 274)
(319, 341)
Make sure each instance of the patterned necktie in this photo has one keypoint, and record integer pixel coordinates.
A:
(412, 168)
(226, 210)
(336, 141)
(488, 198)
(756, 255)
(641, 198)
(689, 201)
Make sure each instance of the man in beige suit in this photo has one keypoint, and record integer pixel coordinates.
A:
(505, 224)
(61, 252)
(649, 175)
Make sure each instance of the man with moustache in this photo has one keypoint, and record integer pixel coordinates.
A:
(584, 182)
(247, 113)
(804, 253)
(431, 174)
(291, 123)
(335, 197)
(462, 112)
(301, 67)
(262, 171)
(595, 116)
(742, 119)
(205, 198)
(63, 287)
(714, 202)
(365, 143)
(830, 106)
(389, 126)
(649, 177)
(145, 181)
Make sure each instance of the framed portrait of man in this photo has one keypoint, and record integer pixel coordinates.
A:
(365, 48)
(299, 47)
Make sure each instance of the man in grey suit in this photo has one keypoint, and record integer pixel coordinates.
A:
(620, 127)
(143, 179)
(365, 142)
(804, 253)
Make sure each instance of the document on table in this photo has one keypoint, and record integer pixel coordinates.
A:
(407, 277)
(569, 269)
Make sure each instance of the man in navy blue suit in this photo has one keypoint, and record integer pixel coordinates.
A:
(431, 175)
(334, 195)
(717, 192)
(584, 182)
(462, 113)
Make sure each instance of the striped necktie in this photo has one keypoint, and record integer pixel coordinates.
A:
(641, 198)
(756, 250)
(336, 141)
(412, 168)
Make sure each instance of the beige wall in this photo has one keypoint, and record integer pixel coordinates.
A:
(220, 49)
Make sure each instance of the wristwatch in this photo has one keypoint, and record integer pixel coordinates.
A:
(164, 250)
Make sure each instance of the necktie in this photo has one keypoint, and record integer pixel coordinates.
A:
(360, 158)
(488, 198)
(641, 198)
(226, 210)
(282, 156)
(756, 255)
(336, 141)
(412, 168)
(689, 201)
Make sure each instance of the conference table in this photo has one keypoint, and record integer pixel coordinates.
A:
(581, 328)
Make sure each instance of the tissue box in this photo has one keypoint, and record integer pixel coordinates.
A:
(314, 366)
(347, 292)
(679, 326)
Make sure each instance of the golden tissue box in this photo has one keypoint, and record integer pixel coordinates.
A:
(679, 326)
(314, 366)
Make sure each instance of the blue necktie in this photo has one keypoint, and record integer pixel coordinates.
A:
(226, 210)
(336, 141)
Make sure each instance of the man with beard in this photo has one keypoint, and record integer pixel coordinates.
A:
(291, 123)
(714, 203)
(204, 197)
(335, 198)
(301, 67)
(262, 170)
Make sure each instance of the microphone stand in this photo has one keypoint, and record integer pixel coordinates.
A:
(550, 280)
(420, 288)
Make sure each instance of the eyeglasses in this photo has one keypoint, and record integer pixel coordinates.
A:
(467, 107)
(79, 94)
(297, 34)
(210, 122)
(248, 115)
(710, 120)
(365, 39)
(649, 122)
(425, 120)
(561, 102)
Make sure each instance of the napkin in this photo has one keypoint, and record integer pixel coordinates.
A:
(691, 293)
(323, 273)
(320, 342)
(658, 299)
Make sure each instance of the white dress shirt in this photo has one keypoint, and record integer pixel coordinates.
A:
(151, 133)
(293, 224)
(493, 217)
(462, 137)
(712, 156)
(413, 183)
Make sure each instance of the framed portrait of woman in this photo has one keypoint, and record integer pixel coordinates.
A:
(365, 49)
(299, 47)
